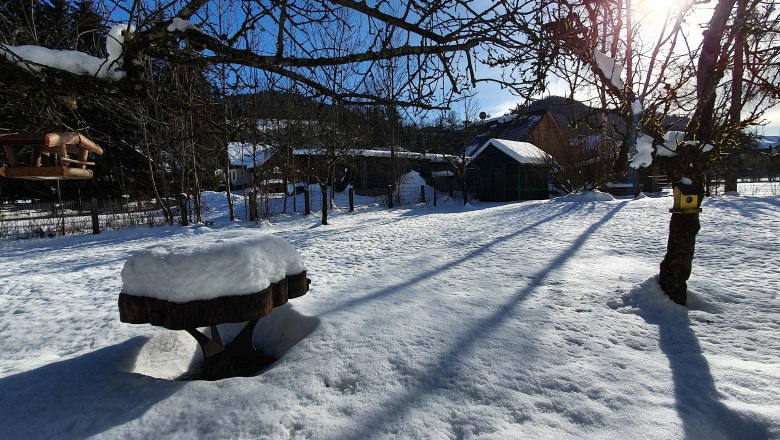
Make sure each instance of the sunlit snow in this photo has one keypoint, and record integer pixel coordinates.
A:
(539, 320)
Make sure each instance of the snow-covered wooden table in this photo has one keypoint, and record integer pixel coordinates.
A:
(212, 279)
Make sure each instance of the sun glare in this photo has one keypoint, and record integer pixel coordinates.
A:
(655, 12)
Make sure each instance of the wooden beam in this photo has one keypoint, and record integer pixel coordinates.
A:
(10, 154)
(22, 139)
(78, 162)
(45, 173)
(71, 138)
(37, 153)
(51, 140)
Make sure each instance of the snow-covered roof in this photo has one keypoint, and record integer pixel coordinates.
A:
(248, 155)
(514, 128)
(380, 153)
(496, 120)
(522, 152)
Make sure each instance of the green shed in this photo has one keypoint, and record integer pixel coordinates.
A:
(505, 171)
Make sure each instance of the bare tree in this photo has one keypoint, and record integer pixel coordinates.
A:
(601, 36)
(442, 42)
(597, 41)
(586, 165)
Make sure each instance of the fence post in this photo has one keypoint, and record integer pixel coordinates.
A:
(95, 219)
(183, 210)
(306, 201)
(435, 193)
(422, 193)
(253, 206)
(351, 199)
(390, 196)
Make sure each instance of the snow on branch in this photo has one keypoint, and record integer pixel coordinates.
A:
(646, 146)
(180, 25)
(75, 62)
(609, 68)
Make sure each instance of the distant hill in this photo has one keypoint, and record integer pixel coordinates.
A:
(768, 142)
(274, 105)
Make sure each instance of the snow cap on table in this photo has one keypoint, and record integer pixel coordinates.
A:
(210, 265)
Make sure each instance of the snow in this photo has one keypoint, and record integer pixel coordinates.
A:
(210, 265)
(522, 320)
(409, 187)
(686, 181)
(645, 148)
(522, 152)
(248, 155)
(609, 68)
(75, 62)
(644, 152)
(181, 25)
(115, 40)
(636, 107)
(586, 196)
(493, 121)
(379, 153)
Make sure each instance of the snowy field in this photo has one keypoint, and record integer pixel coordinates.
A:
(537, 320)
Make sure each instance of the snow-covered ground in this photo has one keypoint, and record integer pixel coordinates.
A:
(524, 320)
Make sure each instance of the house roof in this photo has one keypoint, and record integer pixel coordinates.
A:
(401, 154)
(522, 152)
(511, 129)
(241, 154)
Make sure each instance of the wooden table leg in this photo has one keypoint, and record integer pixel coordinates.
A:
(239, 357)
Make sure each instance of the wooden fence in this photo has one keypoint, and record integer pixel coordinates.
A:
(50, 219)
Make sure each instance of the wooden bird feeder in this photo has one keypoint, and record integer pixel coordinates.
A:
(687, 199)
(53, 156)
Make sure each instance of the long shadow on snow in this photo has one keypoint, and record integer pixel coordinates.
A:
(456, 208)
(448, 364)
(483, 248)
(333, 233)
(79, 397)
(748, 204)
(82, 247)
(702, 414)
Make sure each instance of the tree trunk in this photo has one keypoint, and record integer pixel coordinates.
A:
(735, 116)
(732, 172)
(324, 190)
(228, 192)
(196, 192)
(677, 264)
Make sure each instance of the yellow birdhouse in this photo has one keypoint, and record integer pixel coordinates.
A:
(687, 199)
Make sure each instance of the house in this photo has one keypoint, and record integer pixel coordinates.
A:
(510, 156)
(538, 128)
(502, 170)
(370, 171)
(244, 159)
